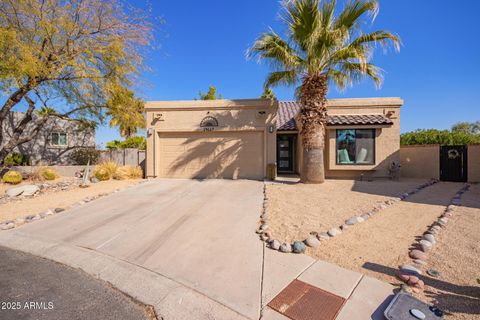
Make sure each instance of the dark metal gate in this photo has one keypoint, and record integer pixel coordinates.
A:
(453, 163)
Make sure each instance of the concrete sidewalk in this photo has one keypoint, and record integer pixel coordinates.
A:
(189, 249)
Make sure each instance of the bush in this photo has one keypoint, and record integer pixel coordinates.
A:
(81, 156)
(12, 177)
(102, 174)
(16, 159)
(442, 137)
(136, 142)
(49, 174)
(106, 169)
(128, 172)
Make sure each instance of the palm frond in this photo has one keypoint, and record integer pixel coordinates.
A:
(384, 38)
(289, 77)
(270, 46)
(350, 16)
(302, 18)
(356, 72)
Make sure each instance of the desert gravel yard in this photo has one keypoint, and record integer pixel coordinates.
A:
(457, 257)
(378, 246)
(59, 199)
(294, 210)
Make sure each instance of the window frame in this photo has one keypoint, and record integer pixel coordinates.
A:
(374, 160)
(59, 133)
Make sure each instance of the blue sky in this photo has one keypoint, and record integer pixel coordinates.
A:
(204, 42)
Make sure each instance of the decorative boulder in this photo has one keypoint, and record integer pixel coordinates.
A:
(312, 242)
(27, 190)
(275, 244)
(333, 232)
(298, 247)
(417, 254)
(286, 247)
(430, 238)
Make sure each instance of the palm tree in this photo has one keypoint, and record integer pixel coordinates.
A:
(126, 113)
(321, 48)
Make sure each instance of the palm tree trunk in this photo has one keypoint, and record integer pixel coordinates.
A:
(313, 119)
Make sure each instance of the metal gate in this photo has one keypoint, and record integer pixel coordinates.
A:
(453, 163)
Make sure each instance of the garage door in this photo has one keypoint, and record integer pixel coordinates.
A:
(237, 155)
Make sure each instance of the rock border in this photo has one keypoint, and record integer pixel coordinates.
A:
(411, 274)
(10, 224)
(315, 238)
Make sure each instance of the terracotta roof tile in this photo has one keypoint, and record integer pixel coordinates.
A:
(287, 111)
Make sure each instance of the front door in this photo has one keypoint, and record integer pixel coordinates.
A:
(453, 163)
(285, 153)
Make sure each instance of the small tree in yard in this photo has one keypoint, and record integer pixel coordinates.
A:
(210, 95)
(84, 54)
(321, 48)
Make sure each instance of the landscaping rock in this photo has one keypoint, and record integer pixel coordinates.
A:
(411, 270)
(275, 244)
(417, 254)
(286, 247)
(425, 245)
(443, 221)
(412, 280)
(354, 220)
(344, 227)
(323, 236)
(420, 262)
(333, 232)
(27, 190)
(30, 217)
(430, 238)
(364, 216)
(7, 226)
(298, 247)
(312, 242)
(58, 210)
(19, 221)
(433, 273)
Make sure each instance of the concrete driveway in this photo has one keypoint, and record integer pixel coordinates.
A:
(193, 240)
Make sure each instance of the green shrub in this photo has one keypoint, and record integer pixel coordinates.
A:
(81, 156)
(102, 174)
(136, 142)
(49, 174)
(12, 177)
(16, 159)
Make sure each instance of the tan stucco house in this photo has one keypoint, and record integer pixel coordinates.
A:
(237, 139)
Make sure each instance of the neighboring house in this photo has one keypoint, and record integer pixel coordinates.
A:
(239, 138)
(54, 142)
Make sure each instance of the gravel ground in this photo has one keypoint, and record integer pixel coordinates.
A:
(457, 257)
(60, 199)
(36, 288)
(294, 210)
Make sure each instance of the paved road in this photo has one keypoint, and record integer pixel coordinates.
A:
(60, 292)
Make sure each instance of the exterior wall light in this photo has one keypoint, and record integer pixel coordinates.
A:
(271, 128)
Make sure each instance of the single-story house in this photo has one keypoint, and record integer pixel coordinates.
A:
(240, 138)
(54, 142)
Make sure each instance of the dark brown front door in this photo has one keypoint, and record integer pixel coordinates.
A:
(285, 153)
(453, 163)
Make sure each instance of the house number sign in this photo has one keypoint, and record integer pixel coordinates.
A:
(209, 123)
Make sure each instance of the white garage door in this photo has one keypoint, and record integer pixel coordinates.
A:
(217, 154)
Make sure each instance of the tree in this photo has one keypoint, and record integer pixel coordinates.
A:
(126, 113)
(210, 95)
(138, 142)
(467, 127)
(320, 48)
(441, 137)
(80, 54)
(268, 94)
